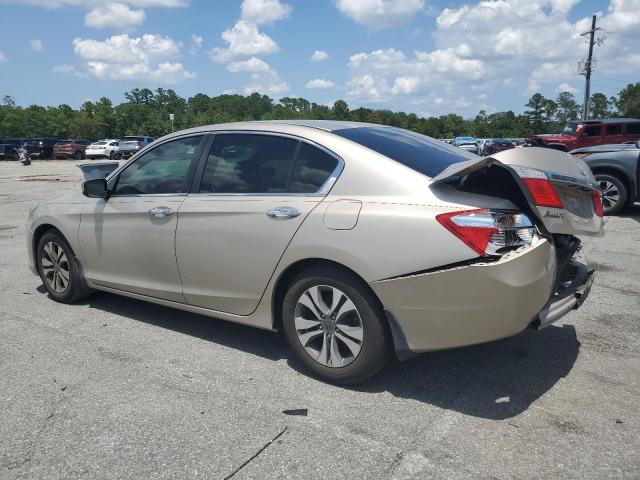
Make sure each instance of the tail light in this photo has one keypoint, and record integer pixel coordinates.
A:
(539, 186)
(489, 232)
(598, 209)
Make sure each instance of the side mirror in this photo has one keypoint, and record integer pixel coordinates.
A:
(96, 188)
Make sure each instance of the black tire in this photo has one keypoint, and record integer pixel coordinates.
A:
(78, 155)
(610, 186)
(76, 288)
(376, 346)
(112, 154)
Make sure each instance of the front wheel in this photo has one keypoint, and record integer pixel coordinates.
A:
(614, 193)
(59, 269)
(335, 325)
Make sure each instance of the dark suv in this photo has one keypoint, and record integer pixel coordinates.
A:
(41, 147)
(617, 171)
(9, 147)
(70, 148)
(589, 133)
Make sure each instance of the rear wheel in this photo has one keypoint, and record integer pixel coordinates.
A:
(78, 155)
(614, 193)
(59, 269)
(335, 326)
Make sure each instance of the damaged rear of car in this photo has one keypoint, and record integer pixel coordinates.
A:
(528, 268)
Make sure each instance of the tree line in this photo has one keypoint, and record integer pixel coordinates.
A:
(146, 112)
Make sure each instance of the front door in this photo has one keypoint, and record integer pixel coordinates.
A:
(128, 240)
(255, 192)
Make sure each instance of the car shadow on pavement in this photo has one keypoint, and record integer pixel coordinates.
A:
(632, 212)
(497, 380)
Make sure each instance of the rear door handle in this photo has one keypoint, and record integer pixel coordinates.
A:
(160, 211)
(283, 212)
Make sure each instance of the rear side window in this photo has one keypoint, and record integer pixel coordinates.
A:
(246, 163)
(418, 152)
(633, 128)
(312, 169)
(614, 129)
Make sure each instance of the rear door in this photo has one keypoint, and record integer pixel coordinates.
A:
(613, 133)
(251, 196)
(591, 135)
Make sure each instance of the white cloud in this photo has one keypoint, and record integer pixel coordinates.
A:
(36, 45)
(243, 39)
(373, 72)
(134, 58)
(405, 85)
(379, 14)
(64, 68)
(196, 44)
(565, 87)
(319, 56)
(114, 15)
(3, 57)
(264, 11)
(270, 84)
(319, 83)
(253, 65)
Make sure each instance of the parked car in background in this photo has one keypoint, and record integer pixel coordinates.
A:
(495, 145)
(589, 133)
(9, 148)
(70, 149)
(41, 147)
(617, 171)
(107, 148)
(469, 144)
(277, 225)
(132, 145)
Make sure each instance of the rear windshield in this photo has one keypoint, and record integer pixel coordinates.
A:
(64, 142)
(99, 143)
(418, 152)
(133, 139)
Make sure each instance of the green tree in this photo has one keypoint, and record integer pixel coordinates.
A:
(568, 108)
(340, 110)
(538, 107)
(628, 102)
(599, 106)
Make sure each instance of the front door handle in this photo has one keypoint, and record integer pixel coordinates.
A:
(283, 212)
(160, 211)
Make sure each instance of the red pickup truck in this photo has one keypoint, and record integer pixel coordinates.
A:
(588, 133)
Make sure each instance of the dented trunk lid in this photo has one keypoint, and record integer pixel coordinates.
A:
(570, 177)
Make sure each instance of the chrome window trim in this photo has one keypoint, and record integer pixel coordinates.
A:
(323, 191)
(143, 151)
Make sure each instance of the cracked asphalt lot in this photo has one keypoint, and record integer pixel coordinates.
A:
(118, 388)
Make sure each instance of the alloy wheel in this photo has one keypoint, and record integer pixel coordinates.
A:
(610, 194)
(55, 267)
(328, 326)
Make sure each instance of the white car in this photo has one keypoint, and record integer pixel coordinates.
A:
(355, 240)
(107, 148)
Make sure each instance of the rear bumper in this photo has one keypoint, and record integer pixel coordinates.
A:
(481, 302)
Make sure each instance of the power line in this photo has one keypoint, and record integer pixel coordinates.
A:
(615, 79)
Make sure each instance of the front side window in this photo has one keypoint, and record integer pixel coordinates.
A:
(247, 163)
(592, 131)
(165, 169)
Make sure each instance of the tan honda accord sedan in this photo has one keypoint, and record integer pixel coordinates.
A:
(357, 241)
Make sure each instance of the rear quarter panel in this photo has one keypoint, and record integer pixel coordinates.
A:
(626, 162)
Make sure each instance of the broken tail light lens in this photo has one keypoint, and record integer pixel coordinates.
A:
(539, 186)
(489, 232)
(598, 209)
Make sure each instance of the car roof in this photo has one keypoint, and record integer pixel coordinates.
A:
(608, 120)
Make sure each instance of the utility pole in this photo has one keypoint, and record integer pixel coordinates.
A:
(586, 69)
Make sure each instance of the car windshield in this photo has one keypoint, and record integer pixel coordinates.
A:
(418, 152)
(571, 128)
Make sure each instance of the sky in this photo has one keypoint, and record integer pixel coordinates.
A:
(429, 57)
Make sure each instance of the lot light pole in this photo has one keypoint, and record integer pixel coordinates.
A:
(172, 117)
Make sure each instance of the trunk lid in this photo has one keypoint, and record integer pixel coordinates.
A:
(571, 179)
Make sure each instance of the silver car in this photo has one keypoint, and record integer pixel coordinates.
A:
(357, 241)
